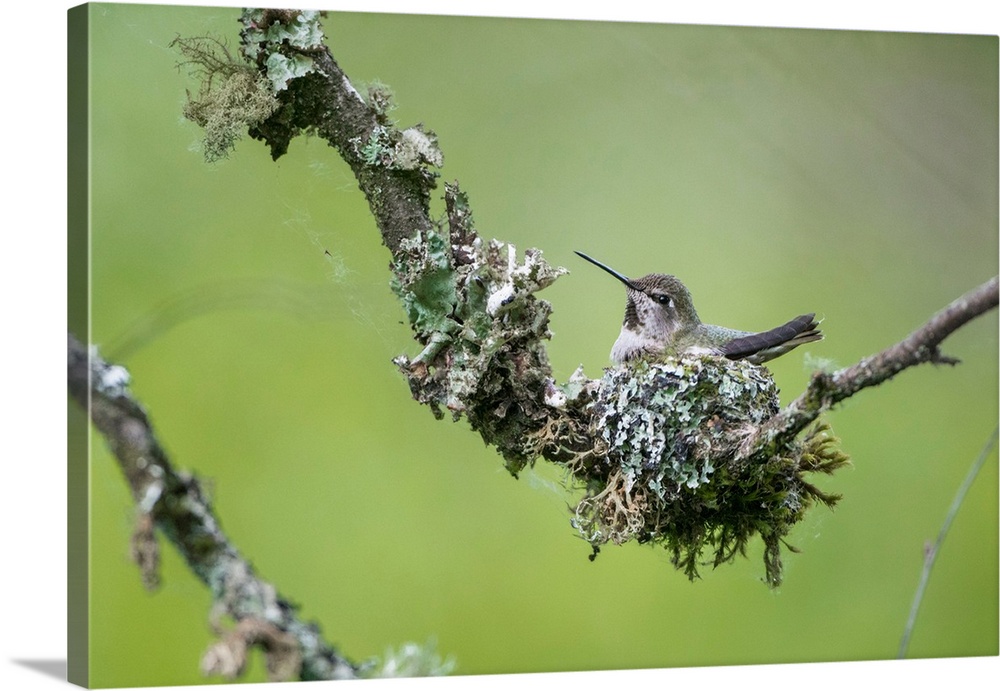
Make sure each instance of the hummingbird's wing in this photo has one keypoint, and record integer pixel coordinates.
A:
(763, 346)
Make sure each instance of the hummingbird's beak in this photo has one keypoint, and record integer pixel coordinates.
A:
(620, 277)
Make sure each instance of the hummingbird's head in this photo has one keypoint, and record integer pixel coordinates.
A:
(657, 305)
(660, 305)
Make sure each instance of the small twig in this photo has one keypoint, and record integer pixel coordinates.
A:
(923, 345)
(931, 550)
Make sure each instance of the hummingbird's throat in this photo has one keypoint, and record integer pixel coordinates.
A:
(632, 344)
(649, 328)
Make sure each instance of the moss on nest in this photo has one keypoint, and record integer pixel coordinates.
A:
(671, 471)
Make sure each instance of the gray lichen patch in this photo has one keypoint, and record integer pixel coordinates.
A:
(672, 470)
(410, 149)
(380, 99)
(417, 147)
(663, 422)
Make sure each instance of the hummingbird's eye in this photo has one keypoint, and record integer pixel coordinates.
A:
(662, 299)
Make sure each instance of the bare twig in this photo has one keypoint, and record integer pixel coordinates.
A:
(923, 345)
(931, 550)
(176, 504)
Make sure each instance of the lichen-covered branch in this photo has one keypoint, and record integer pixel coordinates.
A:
(174, 503)
(315, 96)
(284, 83)
(690, 453)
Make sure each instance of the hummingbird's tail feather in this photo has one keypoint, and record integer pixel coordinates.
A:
(763, 346)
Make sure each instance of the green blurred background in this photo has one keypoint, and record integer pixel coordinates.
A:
(774, 171)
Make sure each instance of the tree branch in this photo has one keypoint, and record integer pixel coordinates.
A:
(174, 502)
(691, 453)
(391, 166)
(923, 345)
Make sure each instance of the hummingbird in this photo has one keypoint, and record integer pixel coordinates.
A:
(660, 319)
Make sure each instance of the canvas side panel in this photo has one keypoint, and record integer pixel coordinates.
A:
(78, 301)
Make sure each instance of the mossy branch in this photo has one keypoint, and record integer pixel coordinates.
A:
(689, 453)
(175, 503)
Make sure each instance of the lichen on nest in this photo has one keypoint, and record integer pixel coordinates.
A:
(672, 470)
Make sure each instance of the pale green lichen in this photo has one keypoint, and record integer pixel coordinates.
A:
(427, 286)
(377, 149)
(410, 149)
(670, 469)
(281, 69)
(472, 305)
(661, 420)
(301, 29)
(409, 660)
(267, 32)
